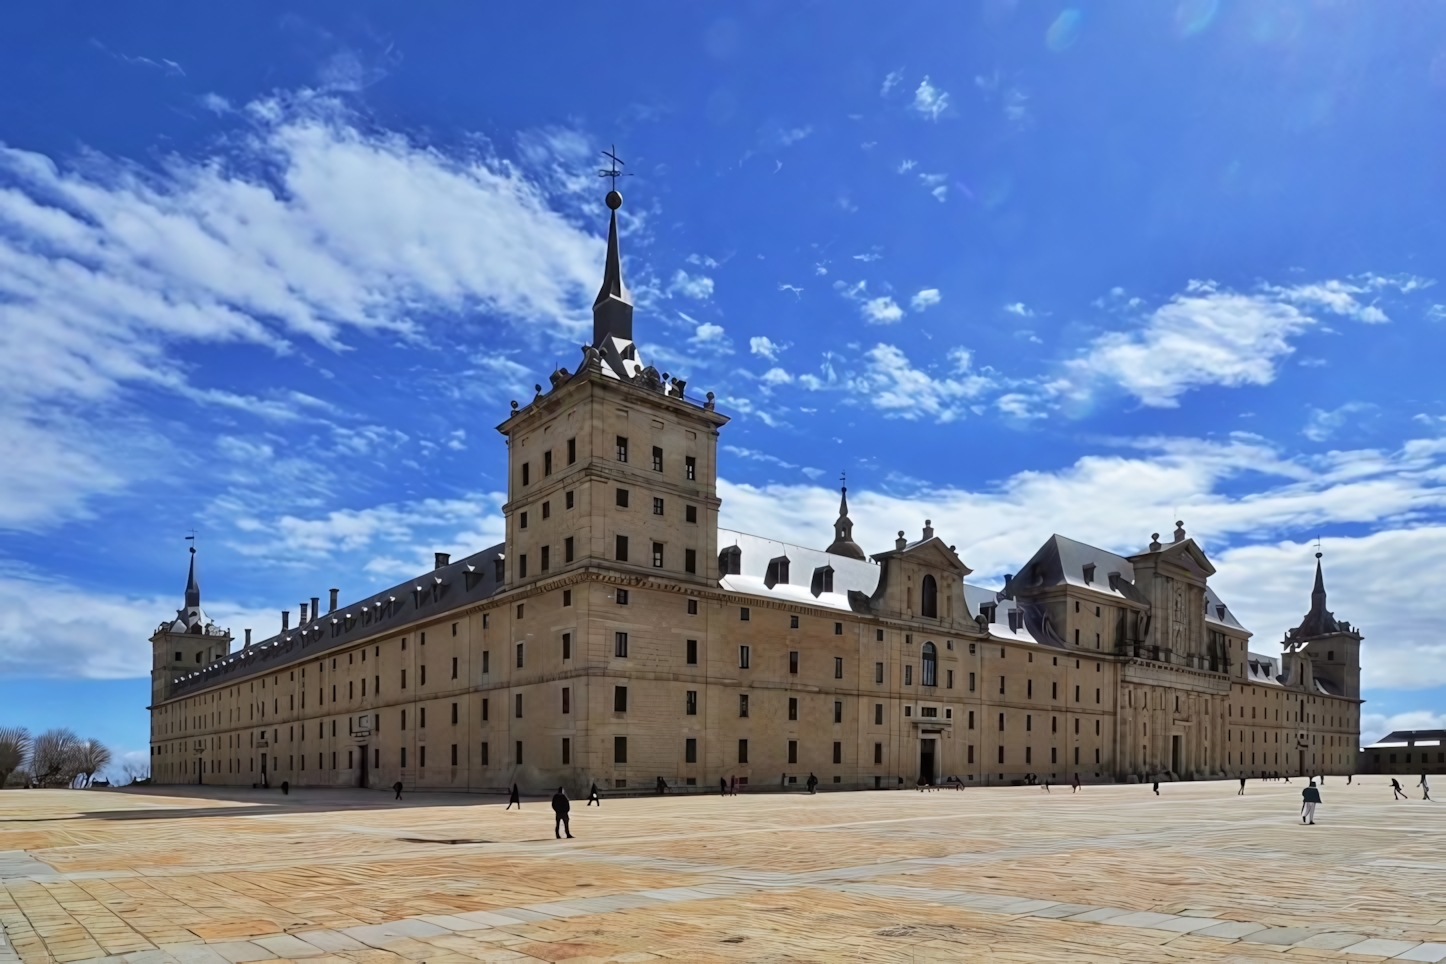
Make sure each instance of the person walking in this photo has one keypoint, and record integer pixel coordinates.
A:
(1157, 788)
(1046, 785)
(733, 786)
(1242, 788)
(812, 783)
(1348, 779)
(722, 786)
(560, 807)
(1425, 788)
(1310, 796)
(1396, 791)
(1074, 783)
(514, 798)
(593, 797)
(398, 788)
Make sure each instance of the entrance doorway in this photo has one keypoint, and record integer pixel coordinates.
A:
(1175, 746)
(365, 773)
(926, 761)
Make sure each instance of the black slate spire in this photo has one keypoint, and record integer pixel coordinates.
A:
(612, 312)
(193, 589)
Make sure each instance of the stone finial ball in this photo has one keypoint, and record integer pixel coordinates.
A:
(614, 200)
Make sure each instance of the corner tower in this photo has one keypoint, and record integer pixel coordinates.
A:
(1331, 647)
(614, 465)
(186, 643)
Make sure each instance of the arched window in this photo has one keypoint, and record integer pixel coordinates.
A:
(930, 663)
(929, 601)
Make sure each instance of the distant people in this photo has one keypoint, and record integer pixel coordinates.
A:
(1074, 783)
(1348, 779)
(593, 797)
(722, 786)
(1156, 788)
(560, 807)
(516, 798)
(733, 786)
(398, 788)
(1046, 786)
(1242, 788)
(812, 783)
(1310, 796)
(662, 786)
(286, 788)
(1398, 793)
(1425, 788)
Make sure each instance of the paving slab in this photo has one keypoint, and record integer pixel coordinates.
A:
(1431, 952)
(333, 942)
(1331, 941)
(1381, 947)
(1279, 935)
(1141, 919)
(238, 952)
(1231, 929)
(285, 945)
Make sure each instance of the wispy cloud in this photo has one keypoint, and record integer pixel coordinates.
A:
(697, 287)
(925, 298)
(891, 80)
(930, 101)
(766, 347)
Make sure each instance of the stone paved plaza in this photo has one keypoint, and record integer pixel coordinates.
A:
(199, 876)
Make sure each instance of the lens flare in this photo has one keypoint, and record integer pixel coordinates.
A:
(1062, 34)
(1193, 16)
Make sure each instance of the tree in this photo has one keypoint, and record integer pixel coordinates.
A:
(15, 744)
(137, 770)
(92, 756)
(55, 757)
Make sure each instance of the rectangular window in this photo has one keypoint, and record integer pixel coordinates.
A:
(1001, 686)
(454, 754)
(484, 711)
(571, 451)
(691, 649)
(484, 754)
(567, 549)
(454, 714)
(692, 607)
(657, 459)
(690, 468)
(522, 566)
(908, 675)
(1097, 695)
(547, 462)
(517, 710)
(620, 699)
(404, 758)
(526, 473)
(566, 751)
(793, 661)
(691, 703)
(838, 667)
(657, 555)
(792, 622)
(620, 596)
(1001, 722)
(517, 750)
(567, 699)
(546, 558)
(838, 629)
(404, 683)
(837, 752)
(486, 660)
(620, 749)
(657, 506)
(837, 711)
(621, 498)
(742, 751)
(519, 655)
(567, 499)
(792, 751)
(878, 714)
(743, 614)
(743, 655)
(690, 560)
(622, 549)
(454, 675)
(742, 705)
(622, 449)
(567, 645)
(690, 750)
(1001, 754)
(620, 644)
(793, 707)
(878, 673)
(690, 514)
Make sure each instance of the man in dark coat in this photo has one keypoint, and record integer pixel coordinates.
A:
(594, 797)
(1310, 796)
(514, 798)
(812, 783)
(560, 806)
(398, 788)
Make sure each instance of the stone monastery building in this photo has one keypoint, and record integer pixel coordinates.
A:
(619, 635)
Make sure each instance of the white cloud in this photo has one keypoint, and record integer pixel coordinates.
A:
(793, 135)
(765, 346)
(776, 376)
(307, 228)
(926, 298)
(906, 166)
(1322, 424)
(712, 337)
(936, 183)
(1018, 308)
(868, 256)
(930, 101)
(702, 260)
(900, 390)
(698, 287)
(891, 80)
(881, 311)
(756, 456)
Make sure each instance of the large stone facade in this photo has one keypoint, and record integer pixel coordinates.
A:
(619, 635)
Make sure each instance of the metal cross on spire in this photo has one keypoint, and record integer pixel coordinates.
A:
(612, 171)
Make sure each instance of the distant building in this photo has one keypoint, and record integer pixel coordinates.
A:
(1407, 751)
(618, 635)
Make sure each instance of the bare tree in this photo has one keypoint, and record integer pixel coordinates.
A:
(55, 758)
(15, 744)
(137, 770)
(92, 756)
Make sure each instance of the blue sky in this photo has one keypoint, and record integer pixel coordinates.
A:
(275, 273)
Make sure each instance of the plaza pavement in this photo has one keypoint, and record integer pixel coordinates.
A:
(200, 875)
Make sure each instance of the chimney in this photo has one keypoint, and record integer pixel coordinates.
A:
(928, 529)
(315, 608)
(333, 600)
(285, 619)
(248, 639)
(302, 620)
(442, 560)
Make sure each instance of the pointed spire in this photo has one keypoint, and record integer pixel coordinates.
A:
(843, 531)
(193, 590)
(1319, 590)
(1320, 621)
(612, 312)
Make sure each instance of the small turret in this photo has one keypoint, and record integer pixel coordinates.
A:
(843, 531)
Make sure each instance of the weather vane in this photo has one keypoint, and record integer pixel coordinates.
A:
(1317, 547)
(192, 540)
(614, 199)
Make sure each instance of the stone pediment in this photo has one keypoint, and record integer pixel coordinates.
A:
(932, 552)
(1185, 554)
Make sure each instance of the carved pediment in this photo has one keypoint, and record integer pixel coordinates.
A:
(933, 552)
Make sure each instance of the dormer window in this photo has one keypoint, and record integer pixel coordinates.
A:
(1089, 573)
(990, 612)
(777, 572)
(499, 568)
(730, 561)
(822, 580)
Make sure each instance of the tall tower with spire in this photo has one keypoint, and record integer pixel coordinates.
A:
(1328, 649)
(186, 643)
(843, 531)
